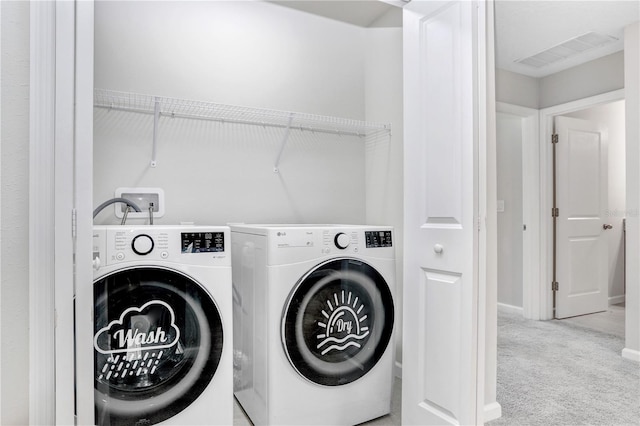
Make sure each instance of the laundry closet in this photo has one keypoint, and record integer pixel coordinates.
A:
(247, 112)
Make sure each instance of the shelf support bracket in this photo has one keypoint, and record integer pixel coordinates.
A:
(156, 118)
(285, 137)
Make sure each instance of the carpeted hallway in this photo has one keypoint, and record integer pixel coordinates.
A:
(566, 372)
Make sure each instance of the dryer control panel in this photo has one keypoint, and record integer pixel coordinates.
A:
(298, 243)
(378, 239)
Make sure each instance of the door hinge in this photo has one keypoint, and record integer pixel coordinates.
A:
(555, 212)
(74, 223)
(555, 286)
(554, 138)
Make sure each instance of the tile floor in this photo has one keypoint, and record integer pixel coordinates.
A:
(393, 419)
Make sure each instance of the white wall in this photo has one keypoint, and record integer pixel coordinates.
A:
(510, 222)
(238, 52)
(517, 89)
(384, 155)
(612, 117)
(599, 76)
(14, 249)
(241, 53)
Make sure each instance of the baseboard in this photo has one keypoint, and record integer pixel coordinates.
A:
(397, 370)
(616, 300)
(631, 354)
(492, 411)
(503, 307)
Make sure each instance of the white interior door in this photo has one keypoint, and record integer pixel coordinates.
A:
(581, 226)
(440, 341)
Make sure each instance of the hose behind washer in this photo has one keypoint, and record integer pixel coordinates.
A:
(115, 200)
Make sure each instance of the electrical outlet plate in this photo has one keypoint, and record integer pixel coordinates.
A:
(142, 197)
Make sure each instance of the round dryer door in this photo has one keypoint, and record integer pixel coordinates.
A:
(338, 322)
(157, 344)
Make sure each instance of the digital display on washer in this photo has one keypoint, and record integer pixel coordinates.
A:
(202, 242)
(378, 239)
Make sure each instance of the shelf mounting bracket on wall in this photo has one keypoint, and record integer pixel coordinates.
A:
(156, 119)
(285, 137)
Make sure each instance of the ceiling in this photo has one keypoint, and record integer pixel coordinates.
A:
(363, 13)
(523, 27)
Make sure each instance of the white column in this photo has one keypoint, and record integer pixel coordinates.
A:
(632, 96)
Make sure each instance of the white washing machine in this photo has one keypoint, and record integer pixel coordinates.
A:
(313, 322)
(162, 325)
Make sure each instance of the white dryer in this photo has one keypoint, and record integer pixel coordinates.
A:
(313, 322)
(163, 325)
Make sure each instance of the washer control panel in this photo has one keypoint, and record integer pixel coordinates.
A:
(202, 242)
(193, 245)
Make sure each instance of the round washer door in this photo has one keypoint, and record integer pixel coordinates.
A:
(338, 322)
(157, 344)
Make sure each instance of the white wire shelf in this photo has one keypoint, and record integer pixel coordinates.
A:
(181, 108)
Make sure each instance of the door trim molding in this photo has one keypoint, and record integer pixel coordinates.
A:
(545, 295)
(65, 138)
(531, 250)
(83, 202)
(42, 380)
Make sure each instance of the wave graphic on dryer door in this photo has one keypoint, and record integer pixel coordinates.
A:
(345, 326)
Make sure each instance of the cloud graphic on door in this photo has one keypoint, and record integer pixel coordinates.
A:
(138, 329)
(344, 325)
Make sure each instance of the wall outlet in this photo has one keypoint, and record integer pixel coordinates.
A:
(142, 197)
(500, 206)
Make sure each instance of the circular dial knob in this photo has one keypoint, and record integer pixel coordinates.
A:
(142, 244)
(342, 240)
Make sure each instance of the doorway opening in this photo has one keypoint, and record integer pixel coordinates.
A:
(590, 185)
(528, 235)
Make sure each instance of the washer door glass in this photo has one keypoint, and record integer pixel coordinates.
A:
(338, 322)
(157, 344)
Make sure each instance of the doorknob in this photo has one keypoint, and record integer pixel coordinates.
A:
(607, 226)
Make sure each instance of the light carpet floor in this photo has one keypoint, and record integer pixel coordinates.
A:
(564, 372)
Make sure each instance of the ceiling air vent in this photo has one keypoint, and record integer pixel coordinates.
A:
(567, 49)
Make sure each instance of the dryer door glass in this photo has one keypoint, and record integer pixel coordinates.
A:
(157, 344)
(338, 322)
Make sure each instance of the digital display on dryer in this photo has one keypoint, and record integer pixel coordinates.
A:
(376, 239)
(202, 242)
